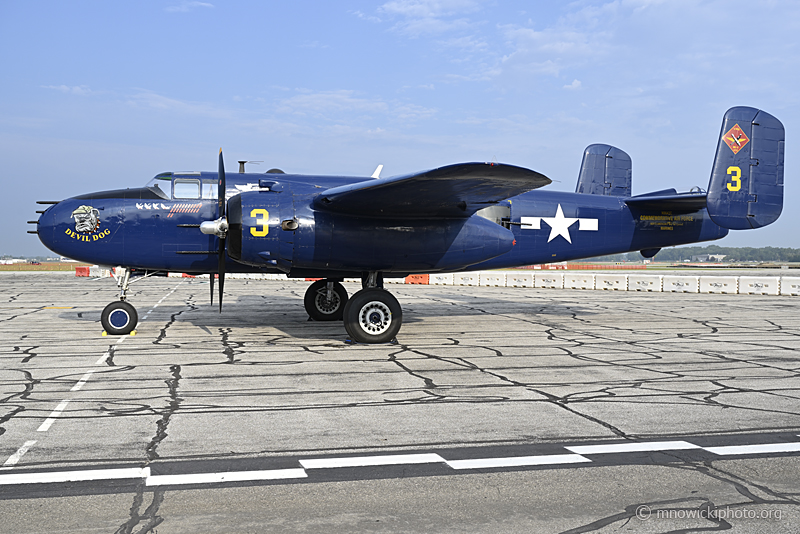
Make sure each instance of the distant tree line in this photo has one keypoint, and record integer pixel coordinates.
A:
(732, 254)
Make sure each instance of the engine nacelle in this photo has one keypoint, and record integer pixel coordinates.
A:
(261, 228)
(281, 229)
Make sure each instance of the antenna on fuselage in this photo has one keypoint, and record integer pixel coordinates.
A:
(241, 164)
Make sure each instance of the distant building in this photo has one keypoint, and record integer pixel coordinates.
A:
(708, 257)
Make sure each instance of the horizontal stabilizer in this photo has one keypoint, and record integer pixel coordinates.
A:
(453, 191)
(605, 170)
(684, 202)
(746, 186)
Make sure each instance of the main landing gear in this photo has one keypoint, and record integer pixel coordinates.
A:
(325, 300)
(371, 315)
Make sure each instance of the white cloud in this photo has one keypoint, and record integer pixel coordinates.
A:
(149, 99)
(576, 84)
(74, 90)
(364, 16)
(186, 6)
(424, 17)
(347, 107)
(419, 9)
(325, 102)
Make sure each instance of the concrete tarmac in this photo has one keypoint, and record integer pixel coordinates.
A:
(498, 410)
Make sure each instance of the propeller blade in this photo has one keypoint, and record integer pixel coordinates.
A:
(221, 202)
(211, 278)
(221, 269)
(221, 190)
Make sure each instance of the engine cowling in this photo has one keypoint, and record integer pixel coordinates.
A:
(261, 228)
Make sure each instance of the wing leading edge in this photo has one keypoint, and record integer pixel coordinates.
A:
(453, 191)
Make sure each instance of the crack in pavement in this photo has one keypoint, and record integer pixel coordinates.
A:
(30, 383)
(150, 516)
(706, 510)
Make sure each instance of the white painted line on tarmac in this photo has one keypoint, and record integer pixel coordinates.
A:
(53, 416)
(17, 456)
(102, 359)
(754, 449)
(75, 476)
(146, 315)
(368, 461)
(633, 447)
(517, 461)
(232, 476)
(85, 378)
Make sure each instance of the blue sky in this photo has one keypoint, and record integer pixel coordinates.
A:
(105, 94)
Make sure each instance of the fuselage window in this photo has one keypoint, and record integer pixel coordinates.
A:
(497, 214)
(186, 188)
(210, 189)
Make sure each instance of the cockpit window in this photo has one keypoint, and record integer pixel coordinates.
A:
(161, 185)
(186, 188)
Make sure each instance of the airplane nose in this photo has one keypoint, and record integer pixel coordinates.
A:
(46, 225)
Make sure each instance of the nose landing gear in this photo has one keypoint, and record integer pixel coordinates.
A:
(120, 317)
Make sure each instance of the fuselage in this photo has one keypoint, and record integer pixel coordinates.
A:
(157, 228)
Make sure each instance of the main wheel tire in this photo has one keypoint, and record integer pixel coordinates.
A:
(373, 316)
(319, 307)
(119, 318)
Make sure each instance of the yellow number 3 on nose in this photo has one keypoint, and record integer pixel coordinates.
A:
(262, 221)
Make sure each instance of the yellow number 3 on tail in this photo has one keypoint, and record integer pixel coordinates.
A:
(736, 178)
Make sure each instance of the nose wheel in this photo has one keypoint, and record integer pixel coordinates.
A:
(372, 315)
(119, 318)
(325, 300)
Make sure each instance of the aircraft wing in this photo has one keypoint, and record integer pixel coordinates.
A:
(452, 191)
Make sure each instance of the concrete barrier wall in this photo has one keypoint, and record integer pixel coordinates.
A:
(492, 278)
(514, 279)
(759, 285)
(719, 284)
(578, 280)
(548, 279)
(466, 279)
(645, 282)
(790, 285)
(681, 284)
(441, 279)
(613, 282)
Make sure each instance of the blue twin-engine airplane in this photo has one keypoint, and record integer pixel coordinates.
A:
(459, 217)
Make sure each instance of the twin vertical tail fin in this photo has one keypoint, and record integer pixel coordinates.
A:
(605, 170)
(746, 187)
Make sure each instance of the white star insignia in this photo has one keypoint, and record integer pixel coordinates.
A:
(559, 225)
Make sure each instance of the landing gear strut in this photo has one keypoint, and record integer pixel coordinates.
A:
(372, 315)
(120, 317)
(325, 300)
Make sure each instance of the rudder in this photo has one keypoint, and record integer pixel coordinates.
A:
(746, 186)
